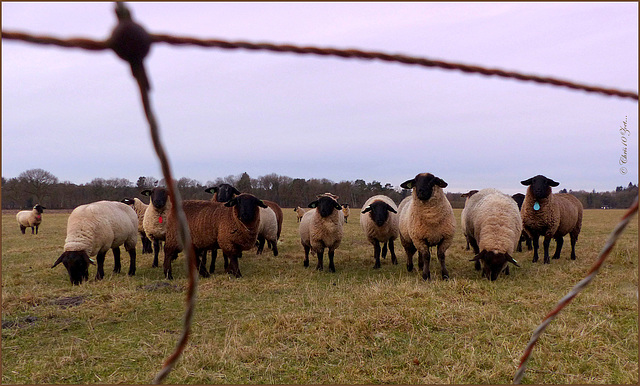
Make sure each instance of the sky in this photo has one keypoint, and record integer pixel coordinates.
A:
(77, 114)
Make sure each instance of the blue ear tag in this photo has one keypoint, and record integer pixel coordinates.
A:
(536, 206)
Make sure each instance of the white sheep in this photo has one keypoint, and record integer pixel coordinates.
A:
(154, 222)
(30, 218)
(466, 196)
(346, 212)
(425, 220)
(93, 229)
(320, 228)
(140, 208)
(379, 222)
(550, 215)
(268, 230)
(493, 225)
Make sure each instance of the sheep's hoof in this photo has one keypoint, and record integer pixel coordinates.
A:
(445, 276)
(555, 257)
(535, 259)
(376, 266)
(426, 276)
(319, 268)
(547, 261)
(204, 273)
(332, 268)
(573, 257)
(306, 263)
(131, 272)
(409, 267)
(477, 266)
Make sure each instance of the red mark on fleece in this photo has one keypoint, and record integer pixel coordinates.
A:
(160, 219)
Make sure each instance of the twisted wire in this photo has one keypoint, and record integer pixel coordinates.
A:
(341, 53)
(611, 241)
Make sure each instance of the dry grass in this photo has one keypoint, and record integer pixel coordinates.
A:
(281, 323)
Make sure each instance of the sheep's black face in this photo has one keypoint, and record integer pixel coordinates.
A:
(379, 212)
(39, 208)
(246, 207)
(423, 185)
(226, 192)
(77, 265)
(519, 199)
(159, 197)
(540, 186)
(493, 263)
(325, 205)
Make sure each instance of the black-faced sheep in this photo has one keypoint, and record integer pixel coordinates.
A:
(154, 222)
(550, 215)
(140, 208)
(231, 226)
(30, 218)
(519, 198)
(493, 226)
(92, 230)
(300, 212)
(222, 192)
(426, 220)
(462, 218)
(346, 212)
(379, 221)
(320, 228)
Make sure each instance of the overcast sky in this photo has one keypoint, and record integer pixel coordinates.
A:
(77, 114)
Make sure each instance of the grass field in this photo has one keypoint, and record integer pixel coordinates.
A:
(281, 323)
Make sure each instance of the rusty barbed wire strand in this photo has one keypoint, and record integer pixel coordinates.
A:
(341, 53)
(610, 243)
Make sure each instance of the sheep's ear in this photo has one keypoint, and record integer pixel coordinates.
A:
(211, 190)
(408, 184)
(88, 259)
(551, 182)
(235, 191)
(127, 201)
(512, 261)
(337, 206)
(367, 209)
(146, 192)
(60, 260)
(478, 256)
(232, 202)
(313, 204)
(262, 204)
(440, 182)
(390, 209)
(46, 208)
(527, 182)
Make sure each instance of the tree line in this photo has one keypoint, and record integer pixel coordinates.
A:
(37, 186)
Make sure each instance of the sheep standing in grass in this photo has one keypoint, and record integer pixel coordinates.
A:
(300, 212)
(154, 222)
(466, 196)
(519, 198)
(346, 212)
(550, 215)
(379, 221)
(268, 230)
(140, 208)
(426, 220)
(320, 228)
(30, 218)
(493, 225)
(92, 230)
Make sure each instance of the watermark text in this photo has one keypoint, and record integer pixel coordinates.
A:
(624, 138)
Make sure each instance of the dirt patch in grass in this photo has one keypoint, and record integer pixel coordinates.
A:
(162, 286)
(21, 323)
(70, 301)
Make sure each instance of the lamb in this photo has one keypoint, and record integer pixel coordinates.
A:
(425, 220)
(93, 229)
(154, 221)
(140, 208)
(346, 211)
(462, 216)
(30, 218)
(550, 215)
(380, 225)
(231, 226)
(268, 230)
(300, 212)
(519, 198)
(320, 228)
(493, 225)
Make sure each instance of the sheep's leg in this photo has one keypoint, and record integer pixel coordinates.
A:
(116, 259)
(519, 248)
(274, 248)
(100, 261)
(214, 254)
(384, 250)
(376, 253)
(306, 256)
(535, 239)
(394, 259)
(425, 257)
(320, 265)
(332, 268)
(36, 228)
(156, 252)
(168, 257)
(201, 261)
(410, 251)
(506, 269)
(260, 243)
(132, 261)
(545, 245)
(474, 245)
(573, 246)
(234, 268)
(23, 229)
(528, 242)
(559, 242)
(441, 256)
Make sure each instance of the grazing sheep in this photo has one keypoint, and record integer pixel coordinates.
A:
(425, 220)
(140, 208)
(30, 218)
(519, 198)
(93, 229)
(268, 230)
(231, 226)
(550, 215)
(462, 218)
(154, 222)
(380, 225)
(346, 211)
(320, 228)
(493, 225)
(300, 212)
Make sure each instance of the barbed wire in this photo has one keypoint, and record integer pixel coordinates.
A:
(183, 229)
(341, 53)
(608, 246)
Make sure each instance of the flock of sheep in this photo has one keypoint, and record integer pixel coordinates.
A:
(493, 223)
